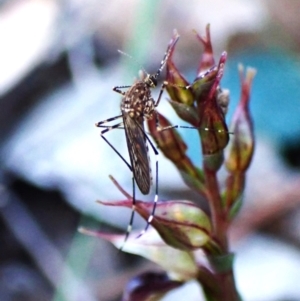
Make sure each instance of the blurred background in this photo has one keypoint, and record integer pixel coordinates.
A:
(58, 64)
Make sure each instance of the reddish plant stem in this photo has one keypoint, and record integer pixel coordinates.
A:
(228, 290)
(218, 217)
(225, 288)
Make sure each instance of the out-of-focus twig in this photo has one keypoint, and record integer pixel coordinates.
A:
(23, 225)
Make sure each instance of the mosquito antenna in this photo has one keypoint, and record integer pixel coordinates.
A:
(134, 60)
(166, 56)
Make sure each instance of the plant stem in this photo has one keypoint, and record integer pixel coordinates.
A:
(218, 217)
(225, 289)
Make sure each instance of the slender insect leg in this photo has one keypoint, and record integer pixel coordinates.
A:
(160, 129)
(116, 151)
(117, 89)
(190, 127)
(151, 216)
(108, 126)
(178, 127)
(160, 93)
(99, 124)
(133, 208)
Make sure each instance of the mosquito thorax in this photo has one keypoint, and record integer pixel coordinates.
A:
(133, 114)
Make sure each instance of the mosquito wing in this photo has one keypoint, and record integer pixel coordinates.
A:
(138, 152)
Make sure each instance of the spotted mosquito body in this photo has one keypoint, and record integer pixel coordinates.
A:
(137, 105)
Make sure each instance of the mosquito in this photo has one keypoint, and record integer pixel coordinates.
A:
(137, 105)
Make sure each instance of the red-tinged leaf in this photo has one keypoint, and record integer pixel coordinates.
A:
(150, 286)
(180, 265)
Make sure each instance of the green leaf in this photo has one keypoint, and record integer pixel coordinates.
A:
(179, 264)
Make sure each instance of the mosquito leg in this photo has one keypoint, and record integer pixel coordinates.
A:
(116, 151)
(118, 89)
(165, 83)
(190, 127)
(108, 126)
(178, 127)
(133, 208)
(98, 124)
(160, 129)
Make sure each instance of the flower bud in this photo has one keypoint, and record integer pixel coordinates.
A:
(207, 59)
(177, 84)
(203, 82)
(171, 144)
(212, 126)
(241, 146)
(181, 224)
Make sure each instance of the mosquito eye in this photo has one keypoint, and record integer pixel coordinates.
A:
(153, 81)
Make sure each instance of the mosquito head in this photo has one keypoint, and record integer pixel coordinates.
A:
(151, 80)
